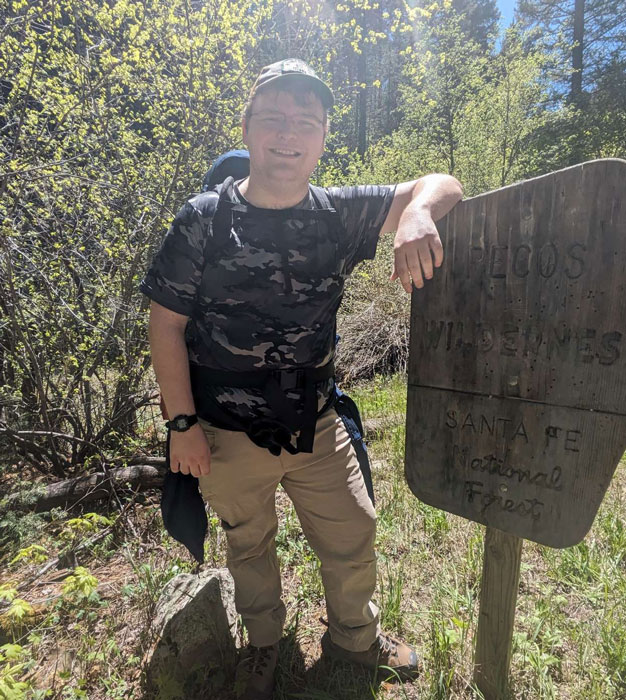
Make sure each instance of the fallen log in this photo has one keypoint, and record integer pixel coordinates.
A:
(92, 487)
(375, 427)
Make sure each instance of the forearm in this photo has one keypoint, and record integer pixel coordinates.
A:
(436, 194)
(417, 246)
(171, 366)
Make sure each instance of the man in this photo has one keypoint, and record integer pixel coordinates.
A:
(242, 331)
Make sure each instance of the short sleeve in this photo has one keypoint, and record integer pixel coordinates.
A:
(363, 210)
(176, 271)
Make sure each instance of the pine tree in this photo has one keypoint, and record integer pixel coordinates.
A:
(583, 35)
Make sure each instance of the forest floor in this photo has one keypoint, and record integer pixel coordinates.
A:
(83, 632)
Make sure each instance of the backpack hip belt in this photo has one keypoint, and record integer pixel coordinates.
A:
(272, 433)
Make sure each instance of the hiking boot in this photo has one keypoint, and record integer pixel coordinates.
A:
(385, 651)
(254, 677)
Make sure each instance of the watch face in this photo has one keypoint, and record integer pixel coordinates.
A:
(181, 423)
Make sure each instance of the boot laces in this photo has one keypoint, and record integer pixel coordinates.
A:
(388, 645)
(257, 659)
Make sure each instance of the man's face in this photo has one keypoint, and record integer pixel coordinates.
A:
(285, 139)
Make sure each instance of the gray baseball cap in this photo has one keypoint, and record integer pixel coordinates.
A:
(287, 69)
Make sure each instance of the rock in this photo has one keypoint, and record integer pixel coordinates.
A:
(195, 623)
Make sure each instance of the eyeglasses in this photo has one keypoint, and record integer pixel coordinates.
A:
(277, 121)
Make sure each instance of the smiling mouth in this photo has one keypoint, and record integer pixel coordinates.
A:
(285, 152)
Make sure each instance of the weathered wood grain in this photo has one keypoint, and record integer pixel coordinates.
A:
(501, 567)
(517, 371)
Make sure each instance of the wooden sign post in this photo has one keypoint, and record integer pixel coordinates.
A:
(516, 414)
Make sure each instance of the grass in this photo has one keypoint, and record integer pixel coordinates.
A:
(86, 639)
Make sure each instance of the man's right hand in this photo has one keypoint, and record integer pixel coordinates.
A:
(190, 452)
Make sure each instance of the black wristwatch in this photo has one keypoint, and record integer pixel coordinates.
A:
(182, 423)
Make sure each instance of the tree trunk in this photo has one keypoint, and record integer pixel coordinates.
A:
(362, 104)
(577, 51)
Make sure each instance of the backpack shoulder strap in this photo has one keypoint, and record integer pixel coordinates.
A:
(214, 210)
(325, 202)
(322, 198)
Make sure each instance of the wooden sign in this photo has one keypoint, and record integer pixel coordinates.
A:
(516, 411)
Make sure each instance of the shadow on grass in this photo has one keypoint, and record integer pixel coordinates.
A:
(326, 679)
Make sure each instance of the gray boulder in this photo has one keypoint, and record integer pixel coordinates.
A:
(194, 652)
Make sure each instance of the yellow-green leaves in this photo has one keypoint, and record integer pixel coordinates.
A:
(34, 553)
(19, 613)
(80, 584)
(8, 592)
(112, 113)
(87, 523)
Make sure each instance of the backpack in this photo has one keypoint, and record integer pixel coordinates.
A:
(235, 164)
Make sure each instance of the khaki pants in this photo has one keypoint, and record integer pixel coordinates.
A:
(336, 514)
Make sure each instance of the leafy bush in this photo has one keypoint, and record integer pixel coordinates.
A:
(105, 118)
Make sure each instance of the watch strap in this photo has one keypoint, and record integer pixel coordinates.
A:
(182, 422)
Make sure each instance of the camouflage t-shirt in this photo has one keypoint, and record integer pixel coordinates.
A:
(262, 286)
